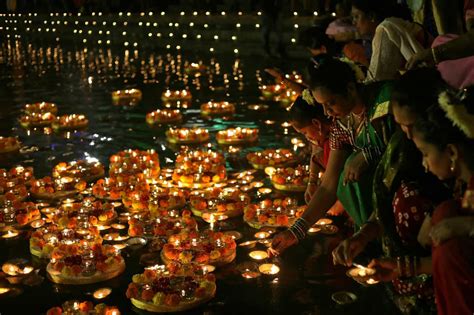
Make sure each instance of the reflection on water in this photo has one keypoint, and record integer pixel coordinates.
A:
(82, 80)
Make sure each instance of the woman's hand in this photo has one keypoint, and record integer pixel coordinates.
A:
(354, 168)
(345, 252)
(310, 190)
(276, 73)
(336, 210)
(282, 241)
(450, 228)
(385, 269)
(424, 56)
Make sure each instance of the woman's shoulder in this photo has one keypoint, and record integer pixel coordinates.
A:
(380, 94)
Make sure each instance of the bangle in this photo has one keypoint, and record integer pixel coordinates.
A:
(435, 57)
(399, 267)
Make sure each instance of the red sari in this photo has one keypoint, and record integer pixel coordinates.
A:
(453, 261)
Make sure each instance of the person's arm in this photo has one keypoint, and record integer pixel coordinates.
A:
(350, 248)
(386, 57)
(314, 170)
(461, 47)
(325, 196)
(280, 77)
(322, 200)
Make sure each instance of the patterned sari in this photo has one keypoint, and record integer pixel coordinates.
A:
(402, 196)
(372, 138)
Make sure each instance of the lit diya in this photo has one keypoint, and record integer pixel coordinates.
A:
(287, 98)
(234, 234)
(228, 201)
(155, 199)
(248, 270)
(270, 91)
(187, 135)
(70, 122)
(41, 108)
(146, 224)
(101, 293)
(237, 135)
(217, 108)
(164, 116)
(258, 107)
(195, 68)
(37, 120)
(273, 213)
(175, 95)
(17, 175)
(18, 214)
(199, 169)
(189, 159)
(74, 264)
(44, 240)
(113, 187)
(180, 288)
(132, 162)
(17, 267)
(88, 170)
(206, 247)
(128, 97)
(269, 269)
(177, 104)
(48, 189)
(88, 212)
(74, 307)
(9, 145)
(12, 191)
(291, 179)
(362, 274)
(271, 157)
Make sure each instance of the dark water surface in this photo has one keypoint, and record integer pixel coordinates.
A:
(80, 81)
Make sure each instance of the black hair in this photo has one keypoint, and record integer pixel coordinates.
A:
(302, 114)
(330, 73)
(418, 89)
(382, 9)
(436, 129)
(315, 38)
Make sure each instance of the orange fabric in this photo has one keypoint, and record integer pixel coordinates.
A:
(356, 53)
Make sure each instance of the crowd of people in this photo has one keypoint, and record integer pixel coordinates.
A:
(388, 106)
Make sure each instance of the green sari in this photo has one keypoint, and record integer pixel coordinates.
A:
(356, 197)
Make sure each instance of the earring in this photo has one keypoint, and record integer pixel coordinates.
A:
(425, 165)
(453, 165)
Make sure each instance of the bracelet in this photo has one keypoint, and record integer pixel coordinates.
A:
(399, 267)
(435, 58)
(299, 228)
(296, 237)
(408, 266)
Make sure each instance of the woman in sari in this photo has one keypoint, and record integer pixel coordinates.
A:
(395, 39)
(403, 195)
(446, 140)
(310, 121)
(358, 138)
